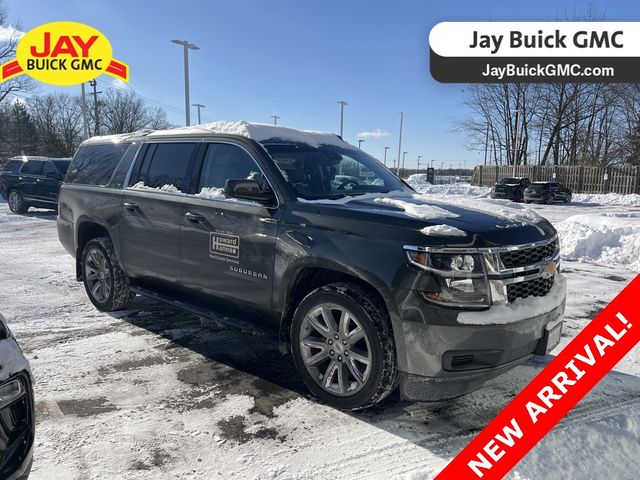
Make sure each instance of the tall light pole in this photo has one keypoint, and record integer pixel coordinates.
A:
(515, 153)
(404, 154)
(342, 104)
(198, 106)
(418, 169)
(275, 119)
(385, 155)
(186, 46)
(360, 142)
(400, 143)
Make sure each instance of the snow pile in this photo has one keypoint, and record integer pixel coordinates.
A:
(521, 309)
(630, 200)
(259, 132)
(417, 210)
(443, 231)
(610, 238)
(164, 188)
(420, 185)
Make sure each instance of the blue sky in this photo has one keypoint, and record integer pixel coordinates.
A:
(296, 58)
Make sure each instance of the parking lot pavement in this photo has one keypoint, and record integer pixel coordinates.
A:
(154, 393)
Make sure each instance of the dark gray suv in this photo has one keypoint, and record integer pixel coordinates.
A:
(369, 284)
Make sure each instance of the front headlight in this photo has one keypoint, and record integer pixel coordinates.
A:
(10, 392)
(460, 278)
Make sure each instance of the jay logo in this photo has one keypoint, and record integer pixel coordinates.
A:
(64, 53)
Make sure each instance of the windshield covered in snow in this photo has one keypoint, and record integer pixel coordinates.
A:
(330, 171)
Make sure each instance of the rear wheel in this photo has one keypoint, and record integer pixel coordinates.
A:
(343, 346)
(16, 202)
(105, 282)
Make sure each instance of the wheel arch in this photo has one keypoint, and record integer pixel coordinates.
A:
(86, 230)
(308, 277)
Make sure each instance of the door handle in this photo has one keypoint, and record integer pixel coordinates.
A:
(194, 217)
(130, 206)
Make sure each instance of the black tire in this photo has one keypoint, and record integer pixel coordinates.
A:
(118, 296)
(373, 318)
(550, 200)
(567, 199)
(16, 202)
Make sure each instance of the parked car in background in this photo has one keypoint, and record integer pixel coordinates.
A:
(32, 182)
(547, 192)
(17, 414)
(510, 188)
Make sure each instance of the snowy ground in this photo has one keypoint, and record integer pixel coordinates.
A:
(154, 393)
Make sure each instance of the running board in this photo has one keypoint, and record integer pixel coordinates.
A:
(208, 313)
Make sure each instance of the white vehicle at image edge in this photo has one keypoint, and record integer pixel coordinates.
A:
(17, 415)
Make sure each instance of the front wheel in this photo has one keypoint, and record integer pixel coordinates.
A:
(343, 347)
(105, 282)
(16, 202)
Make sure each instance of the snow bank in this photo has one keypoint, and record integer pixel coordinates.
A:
(631, 200)
(610, 238)
(259, 132)
(463, 189)
(443, 231)
(521, 309)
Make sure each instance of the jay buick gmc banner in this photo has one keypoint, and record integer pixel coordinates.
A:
(540, 52)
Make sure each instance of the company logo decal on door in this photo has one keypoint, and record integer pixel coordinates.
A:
(225, 245)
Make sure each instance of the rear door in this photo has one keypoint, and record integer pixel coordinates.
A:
(228, 246)
(29, 178)
(151, 212)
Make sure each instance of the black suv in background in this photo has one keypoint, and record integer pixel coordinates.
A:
(32, 182)
(510, 188)
(369, 284)
(547, 192)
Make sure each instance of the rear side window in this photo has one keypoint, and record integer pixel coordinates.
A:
(50, 170)
(32, 167)
(224, 162)
(13, 166)
(166, 166)
(94, 164)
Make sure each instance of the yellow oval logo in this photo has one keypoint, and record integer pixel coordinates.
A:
(64, 53)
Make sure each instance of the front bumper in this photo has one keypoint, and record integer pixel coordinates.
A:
(17, 433)
(446, 359)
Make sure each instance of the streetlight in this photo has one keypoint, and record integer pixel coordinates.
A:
(275, 119)
(418, 169)
(400, 143)
(198, 106)
(186, 46)
(360, 142)
(385, 155)
(342, 104)
(404, 154)
(515, 153)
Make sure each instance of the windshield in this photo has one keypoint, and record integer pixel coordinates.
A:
(539, 187)
(330, 171)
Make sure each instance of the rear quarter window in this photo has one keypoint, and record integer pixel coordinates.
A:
(95, 164)
(13, 166)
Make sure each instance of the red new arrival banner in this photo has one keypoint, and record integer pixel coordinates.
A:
(552, 393)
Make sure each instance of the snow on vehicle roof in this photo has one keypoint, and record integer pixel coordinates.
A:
(117, 138)
(260, 132)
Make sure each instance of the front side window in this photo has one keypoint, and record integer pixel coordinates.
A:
(165, 167)
(49, 170)
(224, 162)
(328, 171)
(13, 166)
(32, 167)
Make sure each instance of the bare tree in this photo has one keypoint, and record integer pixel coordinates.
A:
(21, 83)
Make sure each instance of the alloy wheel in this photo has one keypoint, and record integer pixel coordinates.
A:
(15, 202)
(98, 275)
(335, 349)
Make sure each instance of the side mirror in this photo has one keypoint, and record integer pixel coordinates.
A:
(249, 190)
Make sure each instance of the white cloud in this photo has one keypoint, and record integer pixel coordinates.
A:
(377, 133)
(119, 84)
(9, 33)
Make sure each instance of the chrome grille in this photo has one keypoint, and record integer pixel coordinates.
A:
(538, 287)
(528, 256)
